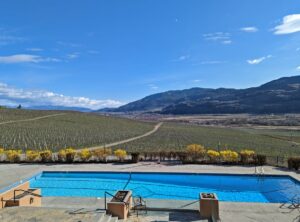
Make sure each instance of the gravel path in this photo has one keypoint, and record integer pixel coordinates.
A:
(32, 119)
(156, 127)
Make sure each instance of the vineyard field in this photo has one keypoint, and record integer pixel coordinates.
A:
(72, 129)
(19, 114)
(174, 136)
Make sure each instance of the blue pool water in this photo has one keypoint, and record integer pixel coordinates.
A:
(237, 188)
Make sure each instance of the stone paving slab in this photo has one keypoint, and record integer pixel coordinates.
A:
(229, 211)
(35, 214)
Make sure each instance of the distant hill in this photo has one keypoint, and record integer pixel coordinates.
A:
(278, 96)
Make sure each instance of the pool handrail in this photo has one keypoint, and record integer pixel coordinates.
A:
(25, 191)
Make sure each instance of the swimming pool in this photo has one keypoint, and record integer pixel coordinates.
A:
(181, 186)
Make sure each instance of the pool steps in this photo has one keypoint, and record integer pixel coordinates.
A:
(108, 218)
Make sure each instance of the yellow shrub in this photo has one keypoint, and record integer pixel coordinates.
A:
(46, 155)
(70, 154)
(213, 155)
(67, 154)
(101, 153)
(1, 151)
(61, 155)
(85, 154)
(13, 155)
(32, 155)
(195, 151)
(121, 154)
(248, 153)
(229, 155)
(70, 151)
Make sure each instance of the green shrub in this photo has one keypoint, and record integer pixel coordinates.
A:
(135, 157)
(182, 156)
(294, 163)
(260, 159)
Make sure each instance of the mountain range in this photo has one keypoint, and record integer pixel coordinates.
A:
(278, 96)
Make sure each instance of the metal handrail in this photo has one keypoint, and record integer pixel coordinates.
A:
(25, 191)
(114, 196)
(128, 181)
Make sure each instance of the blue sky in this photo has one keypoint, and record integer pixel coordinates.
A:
(105, 53)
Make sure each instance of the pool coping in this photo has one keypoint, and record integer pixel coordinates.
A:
(175, 173)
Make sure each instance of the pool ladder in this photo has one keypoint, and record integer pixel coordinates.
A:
(260, 172)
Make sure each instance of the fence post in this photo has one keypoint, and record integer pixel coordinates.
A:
(105, 201)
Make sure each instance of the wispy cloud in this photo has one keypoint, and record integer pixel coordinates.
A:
(153, 87)
(26, 58)
(249, 29)
(8, 37)
(258, 60)
(298, 68)
(28, 98)
(211, 62)
(197, 80)
(290, 24)
(34, 49)
(69, 44)
(93, 52)
(181, 58)
(220, 37)
(73, 55)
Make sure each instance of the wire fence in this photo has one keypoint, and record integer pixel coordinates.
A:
(279, 161)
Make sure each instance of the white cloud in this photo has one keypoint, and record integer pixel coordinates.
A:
(196, 80)
(221, 37)
(298, 68)
(26, 58)
(249, 29)
(258, 60)
(290, 24)
(13, 96)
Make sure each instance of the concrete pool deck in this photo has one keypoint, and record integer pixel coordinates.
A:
(229, 211)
